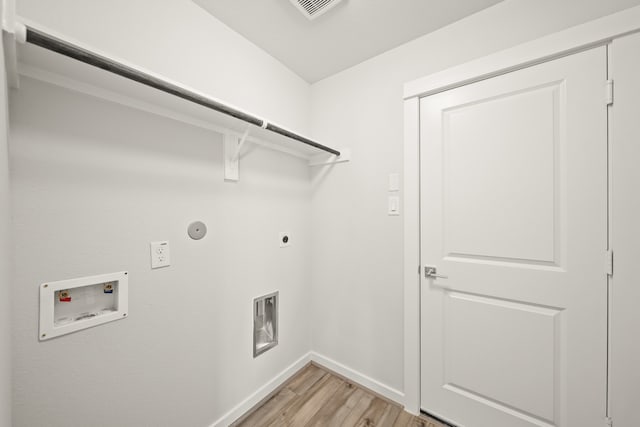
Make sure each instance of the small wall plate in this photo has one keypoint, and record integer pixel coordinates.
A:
(71, 305)
(285, 239)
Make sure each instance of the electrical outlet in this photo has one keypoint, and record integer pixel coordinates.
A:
(160, 256)
(285, 239)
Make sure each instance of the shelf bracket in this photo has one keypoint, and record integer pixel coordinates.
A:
(232, 148)
(331, 159)
(243, 139)
(12, 33)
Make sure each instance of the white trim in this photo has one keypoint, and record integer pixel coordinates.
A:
(9, 41)
(11, 59)
(411, 200)
(262, 393)
(611, 233)
(598, 32)
(272, 385)
(359, 378)
(9, 15)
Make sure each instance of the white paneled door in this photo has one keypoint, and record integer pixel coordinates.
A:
(514, 215)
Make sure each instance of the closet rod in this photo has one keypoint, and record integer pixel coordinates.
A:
(62, 47)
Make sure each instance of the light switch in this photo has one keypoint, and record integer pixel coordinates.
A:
(394, 205)
(394, 182)
(160, 255)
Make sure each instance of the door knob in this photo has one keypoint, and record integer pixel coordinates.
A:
(432, 273)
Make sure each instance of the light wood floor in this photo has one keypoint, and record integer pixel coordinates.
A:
(315, 397)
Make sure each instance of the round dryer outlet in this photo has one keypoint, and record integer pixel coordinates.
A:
(197, 230)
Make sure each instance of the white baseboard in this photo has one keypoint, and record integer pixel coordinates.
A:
(359, 378)
(264, 391)
(340, 369)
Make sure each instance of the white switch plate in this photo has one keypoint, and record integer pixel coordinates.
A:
(160, 255)
(284, 238)
(394, 182)
(394, 205)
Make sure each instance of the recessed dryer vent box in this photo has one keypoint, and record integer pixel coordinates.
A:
(71, 305)
(265, 323)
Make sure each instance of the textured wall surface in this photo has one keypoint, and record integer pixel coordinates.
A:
(357, 248)
(92, 184)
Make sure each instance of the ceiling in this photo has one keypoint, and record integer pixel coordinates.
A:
(351, 32)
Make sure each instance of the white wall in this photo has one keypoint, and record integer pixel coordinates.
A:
(357, 249)
(5, 257)
(93, 183)
(179, 40)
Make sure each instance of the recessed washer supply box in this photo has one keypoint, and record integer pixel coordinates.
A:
(71, 305)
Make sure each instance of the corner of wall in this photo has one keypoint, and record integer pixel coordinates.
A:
(5, 251)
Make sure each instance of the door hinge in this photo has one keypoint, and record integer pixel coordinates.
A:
(608, 422)
(609, 93)
(608, 263)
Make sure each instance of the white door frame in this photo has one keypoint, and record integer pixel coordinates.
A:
(595, 33)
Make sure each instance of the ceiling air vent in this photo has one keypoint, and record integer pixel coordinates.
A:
(314, 8)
